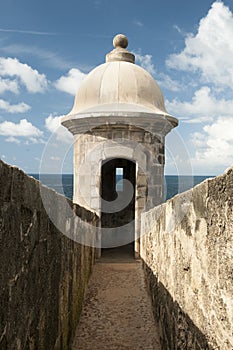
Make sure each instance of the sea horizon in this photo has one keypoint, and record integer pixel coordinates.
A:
(173, 184)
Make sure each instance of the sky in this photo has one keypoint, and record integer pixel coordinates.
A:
(48, 47)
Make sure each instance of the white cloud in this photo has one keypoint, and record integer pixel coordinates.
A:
(8, 85)
(198, 139)
(53, 124)
(180, 30)
(210, 51)
(13, 139)
(138, 23)
(207, 58)
(203, 107)
(168, 83)
(197, 120)
(214, 146)
(55, 158)
(49, 58)
(33, 32)
(70, 82)
(145, 61)
(23, 129)
(34, 140)
(31, 78)
(18, 108)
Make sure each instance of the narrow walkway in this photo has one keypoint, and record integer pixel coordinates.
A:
(117, 312)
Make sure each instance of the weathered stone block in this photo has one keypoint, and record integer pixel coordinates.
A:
(187, 253)
(43, 272)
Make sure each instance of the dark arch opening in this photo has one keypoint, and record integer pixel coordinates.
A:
(118, 179)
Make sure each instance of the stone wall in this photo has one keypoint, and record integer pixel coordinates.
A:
(43, 271)
(119, 141)
(187, 249)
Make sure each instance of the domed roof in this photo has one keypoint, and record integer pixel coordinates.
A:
(119, 81)
(118, 87)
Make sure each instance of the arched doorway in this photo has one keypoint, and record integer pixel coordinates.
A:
(118, 179)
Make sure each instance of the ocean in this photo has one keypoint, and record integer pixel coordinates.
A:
(173, 184)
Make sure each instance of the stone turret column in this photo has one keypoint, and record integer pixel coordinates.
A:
(119, 118)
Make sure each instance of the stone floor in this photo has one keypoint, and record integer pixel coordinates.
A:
(117, 313)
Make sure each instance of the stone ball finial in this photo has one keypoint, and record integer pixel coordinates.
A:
(120, 40)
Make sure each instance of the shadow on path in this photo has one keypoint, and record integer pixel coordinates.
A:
(124, 253)
(117, 312)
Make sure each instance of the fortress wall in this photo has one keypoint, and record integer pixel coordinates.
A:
(187, 249)
(43, 273)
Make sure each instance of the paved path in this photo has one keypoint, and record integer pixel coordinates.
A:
(117, 313)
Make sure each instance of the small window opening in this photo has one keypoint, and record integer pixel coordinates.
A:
(119, 177)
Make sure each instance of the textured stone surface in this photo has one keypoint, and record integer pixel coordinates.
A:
(129, 142)
(117, 313)
(187, 251)
(118, 141)
(43, 273)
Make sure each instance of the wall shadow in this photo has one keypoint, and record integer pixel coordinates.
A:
(123, 253)
(177, 330)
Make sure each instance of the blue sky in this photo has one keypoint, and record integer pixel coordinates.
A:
(47, 48)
